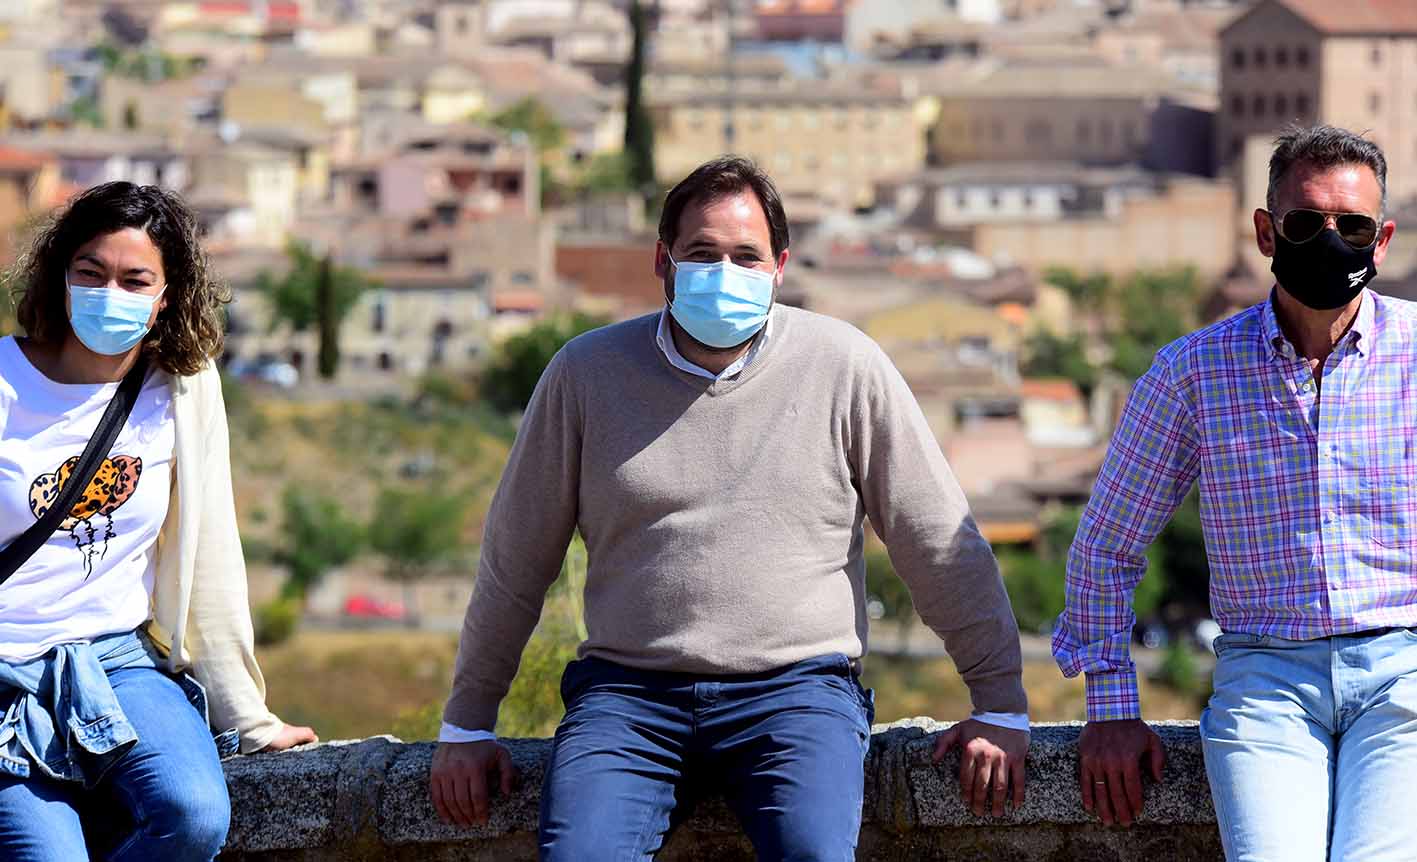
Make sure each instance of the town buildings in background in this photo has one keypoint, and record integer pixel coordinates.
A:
(942, 161)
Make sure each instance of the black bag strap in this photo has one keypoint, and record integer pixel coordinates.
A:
(22, 548)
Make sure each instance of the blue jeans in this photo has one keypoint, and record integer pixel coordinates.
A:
(164, 799)
(1311, 747)
(637, 748)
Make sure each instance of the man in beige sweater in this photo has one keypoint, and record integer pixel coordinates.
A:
(719, 458)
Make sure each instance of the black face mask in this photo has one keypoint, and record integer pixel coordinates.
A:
(1324, 273)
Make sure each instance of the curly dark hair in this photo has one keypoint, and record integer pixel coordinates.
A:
(188, 331)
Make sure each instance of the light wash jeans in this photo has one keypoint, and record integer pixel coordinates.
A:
(1311, 747)
(153, 793)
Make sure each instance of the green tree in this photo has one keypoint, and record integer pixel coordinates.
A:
(1154, 309)
(607, 173)
(8, 324)
(316, 535)
(413, 529)
(1180, 551)
(1035, 584)
(1049, 355)
(639, 126)
(509, 380)
(314, 292)
(1087, 292)
(884, 584)
(531, 117)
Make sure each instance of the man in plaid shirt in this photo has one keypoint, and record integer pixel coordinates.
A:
(1298, 418)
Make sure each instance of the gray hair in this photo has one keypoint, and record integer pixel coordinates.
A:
(1323, 147)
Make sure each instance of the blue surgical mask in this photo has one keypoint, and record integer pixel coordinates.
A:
(720, 304)
(110, 320)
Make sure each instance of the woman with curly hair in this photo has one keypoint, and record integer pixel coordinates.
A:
(125, 638)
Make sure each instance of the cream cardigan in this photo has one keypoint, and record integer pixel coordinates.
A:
(200, 615)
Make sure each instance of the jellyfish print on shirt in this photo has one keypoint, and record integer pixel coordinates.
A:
(90, 522)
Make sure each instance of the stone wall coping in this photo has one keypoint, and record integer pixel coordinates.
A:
(365, 799)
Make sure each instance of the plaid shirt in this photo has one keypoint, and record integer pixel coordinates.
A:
(1309, 505)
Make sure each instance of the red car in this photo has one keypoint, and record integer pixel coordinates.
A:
(366, 606)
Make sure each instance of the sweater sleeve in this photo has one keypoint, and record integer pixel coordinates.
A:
(529, 526)
(219, 633)
(916, 506)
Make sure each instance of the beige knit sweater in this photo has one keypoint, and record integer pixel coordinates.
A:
(724, 519)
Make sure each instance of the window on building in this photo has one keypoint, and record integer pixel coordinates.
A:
(1377, 55)
(1236, 145)
(1237, 105)
(1028, 199)
(1257, 106)
(959, 198)
(1237, 58)
(1261, 57)
(1084, 132)
(386, 362)
(1375, 101)
(381, 317)
(994, 199)
(1301, 105)
(1281, 104)
(1301, 56)
(1281, 56)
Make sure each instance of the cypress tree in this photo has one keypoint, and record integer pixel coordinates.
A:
(639, 128)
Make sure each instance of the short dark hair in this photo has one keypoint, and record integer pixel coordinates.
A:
(188, 331)
(724, 175)
(1322, 147)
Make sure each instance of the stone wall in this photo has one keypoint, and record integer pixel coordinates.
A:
(368, 800)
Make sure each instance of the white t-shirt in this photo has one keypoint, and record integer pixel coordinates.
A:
(95, 574)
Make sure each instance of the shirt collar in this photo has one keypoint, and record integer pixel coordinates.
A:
(665, 339)
(1361, 332)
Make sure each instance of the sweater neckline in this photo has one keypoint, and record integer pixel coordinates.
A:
(715, 388)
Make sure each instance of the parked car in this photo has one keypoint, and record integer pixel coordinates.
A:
(268, 370)
(366, 607)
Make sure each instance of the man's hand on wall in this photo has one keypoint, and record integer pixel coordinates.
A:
(1110, 755)
(991, 762)
(461, 777)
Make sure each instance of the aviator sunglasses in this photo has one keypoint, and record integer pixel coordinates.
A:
(1301, 225)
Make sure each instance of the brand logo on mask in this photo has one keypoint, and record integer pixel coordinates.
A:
(1355, 279)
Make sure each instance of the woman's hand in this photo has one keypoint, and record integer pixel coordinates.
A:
(291, 736)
